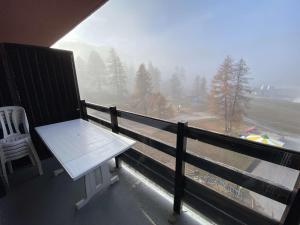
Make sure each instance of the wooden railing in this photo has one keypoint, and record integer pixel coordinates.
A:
(207, 201)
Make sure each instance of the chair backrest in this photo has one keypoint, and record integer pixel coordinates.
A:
(13, 121)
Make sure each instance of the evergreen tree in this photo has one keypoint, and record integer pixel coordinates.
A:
(199, 90)
(143, 89)
(131, 73)
(176, 87)
(80, 66)
(203, 86)
(221, 92)
(96, 71)
(155, 77)
(241, 89)
(229, 89)
(196, 87)
(118, 78)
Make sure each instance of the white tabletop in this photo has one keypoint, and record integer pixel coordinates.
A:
(81, 146)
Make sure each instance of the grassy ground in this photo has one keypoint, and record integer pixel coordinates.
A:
(276, 114)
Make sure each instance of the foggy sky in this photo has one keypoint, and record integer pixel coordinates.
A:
(198, 34)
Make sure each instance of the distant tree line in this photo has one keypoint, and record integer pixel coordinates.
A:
(146, 94)
(110, 79)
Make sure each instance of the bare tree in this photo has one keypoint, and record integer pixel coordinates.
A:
(118, 78)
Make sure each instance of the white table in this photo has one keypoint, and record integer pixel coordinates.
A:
(83, 149)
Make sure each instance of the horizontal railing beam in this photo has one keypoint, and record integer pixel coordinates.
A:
(157, 144)
(97, 107)
(153, 122)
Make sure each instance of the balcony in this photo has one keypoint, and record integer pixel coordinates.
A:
(36, 200)
(43, 81)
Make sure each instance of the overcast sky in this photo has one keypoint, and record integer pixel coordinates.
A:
(198, 34)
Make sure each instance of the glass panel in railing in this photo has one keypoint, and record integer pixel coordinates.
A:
(243, 196)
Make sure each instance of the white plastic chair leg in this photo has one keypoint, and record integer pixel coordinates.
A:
(10, 168)
(32, 160)
(4, 172)
(36, 157)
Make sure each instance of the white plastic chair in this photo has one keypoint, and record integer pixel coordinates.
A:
(15, 141)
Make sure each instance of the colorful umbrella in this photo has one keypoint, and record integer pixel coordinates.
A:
(264, 139)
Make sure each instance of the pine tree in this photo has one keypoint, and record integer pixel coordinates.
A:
(175, 84)
(221, 92)
(176, 87)
(241, 89)
(142, 90)
(96, 71)
(118, 78)
(203, 86)
(81, 72)
(155, 77)
(196, 87)
(199, 90)
(229, 89)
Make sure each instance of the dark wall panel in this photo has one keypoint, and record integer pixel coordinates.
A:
(44, 81)
(6, 86)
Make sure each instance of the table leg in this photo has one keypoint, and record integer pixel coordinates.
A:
(91, 185)
(58, 171)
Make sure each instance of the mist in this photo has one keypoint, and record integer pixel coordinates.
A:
(197, 35)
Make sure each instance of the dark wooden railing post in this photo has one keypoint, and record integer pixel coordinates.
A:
(180, 166)
(291, 214)
(114, 125)
(83, 110)
(293, 217)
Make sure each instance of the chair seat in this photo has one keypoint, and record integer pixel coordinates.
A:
(14, 138)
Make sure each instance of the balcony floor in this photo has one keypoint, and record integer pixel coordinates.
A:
(43, 200)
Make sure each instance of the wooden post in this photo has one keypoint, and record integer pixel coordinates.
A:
(291, 214)
(114, 126)
(180, 167)
(83, 110)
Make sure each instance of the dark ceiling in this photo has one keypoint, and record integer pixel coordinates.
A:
(42, 22)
